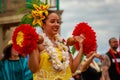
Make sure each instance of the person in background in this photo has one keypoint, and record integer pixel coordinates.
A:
(90, 70)
(111, 63)
(13, 66)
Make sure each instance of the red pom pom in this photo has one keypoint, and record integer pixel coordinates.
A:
(89, 43)
(24, 39)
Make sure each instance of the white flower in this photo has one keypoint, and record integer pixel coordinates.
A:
(57, 64)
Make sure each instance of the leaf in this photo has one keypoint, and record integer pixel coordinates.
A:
(26, 20)
(46, 2)
(29, 5)
(73, 49)
(38, 2)
(21, 10)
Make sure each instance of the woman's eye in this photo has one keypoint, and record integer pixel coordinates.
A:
(58, 22)
(52, 21)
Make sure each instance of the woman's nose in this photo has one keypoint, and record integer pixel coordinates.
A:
(57, 24)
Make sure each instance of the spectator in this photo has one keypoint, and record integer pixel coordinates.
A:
(89, 68)
(111, 63)
(13, 66)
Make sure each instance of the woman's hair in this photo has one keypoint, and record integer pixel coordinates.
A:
(7, 52)
(49, 12)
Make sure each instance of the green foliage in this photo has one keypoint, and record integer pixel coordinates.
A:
(38, 2)
(26, 20)
(29, 5)
(21, 10)
(73, 50)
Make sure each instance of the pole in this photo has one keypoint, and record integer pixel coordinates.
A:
(57, 4)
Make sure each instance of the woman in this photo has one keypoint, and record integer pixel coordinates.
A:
(51, 60)
(90, 70)
(14, 66)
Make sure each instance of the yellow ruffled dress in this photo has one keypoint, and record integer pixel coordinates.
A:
(46, 71)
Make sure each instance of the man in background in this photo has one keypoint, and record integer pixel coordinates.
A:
(111, 63)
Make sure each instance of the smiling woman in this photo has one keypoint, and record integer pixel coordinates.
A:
(50, 59)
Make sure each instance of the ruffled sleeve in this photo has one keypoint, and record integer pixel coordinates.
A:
(1, 75)
(27, 71)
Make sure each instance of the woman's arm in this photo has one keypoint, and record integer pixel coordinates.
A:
(33, 61)
(74, 63)
(34, 57)
(85, 64)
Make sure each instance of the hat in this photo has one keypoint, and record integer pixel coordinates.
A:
(7, 47)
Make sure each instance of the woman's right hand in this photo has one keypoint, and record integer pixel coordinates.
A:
(40, 39)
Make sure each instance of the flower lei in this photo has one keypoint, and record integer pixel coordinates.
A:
(116, 63)
(57, 64)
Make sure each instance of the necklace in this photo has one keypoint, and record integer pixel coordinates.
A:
(116, 63)
(56, 63)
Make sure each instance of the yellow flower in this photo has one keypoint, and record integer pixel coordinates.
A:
(35, 13)
(20, 38)
(38, 8)
(42, 7)
(45, 9)
(38, 17)
(39, 14)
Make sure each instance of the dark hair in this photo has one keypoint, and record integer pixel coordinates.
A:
(7, 52)
(49, 12)
(111, 39)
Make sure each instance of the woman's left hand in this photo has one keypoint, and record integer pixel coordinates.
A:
(80, 38)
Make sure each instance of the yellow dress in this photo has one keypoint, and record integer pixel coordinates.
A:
(46, 71)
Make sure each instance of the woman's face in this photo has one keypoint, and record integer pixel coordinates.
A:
(52, 24)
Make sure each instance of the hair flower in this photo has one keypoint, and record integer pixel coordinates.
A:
(38, 17)
(39, 11)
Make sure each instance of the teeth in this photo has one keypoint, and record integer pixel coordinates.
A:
(55, 28)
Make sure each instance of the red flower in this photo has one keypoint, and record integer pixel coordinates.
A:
(24, 39)
(89, 43)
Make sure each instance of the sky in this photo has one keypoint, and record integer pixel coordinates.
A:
(102, 15)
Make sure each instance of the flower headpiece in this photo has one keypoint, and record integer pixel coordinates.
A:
(39, 11)
(89, 43)
(24, 39)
